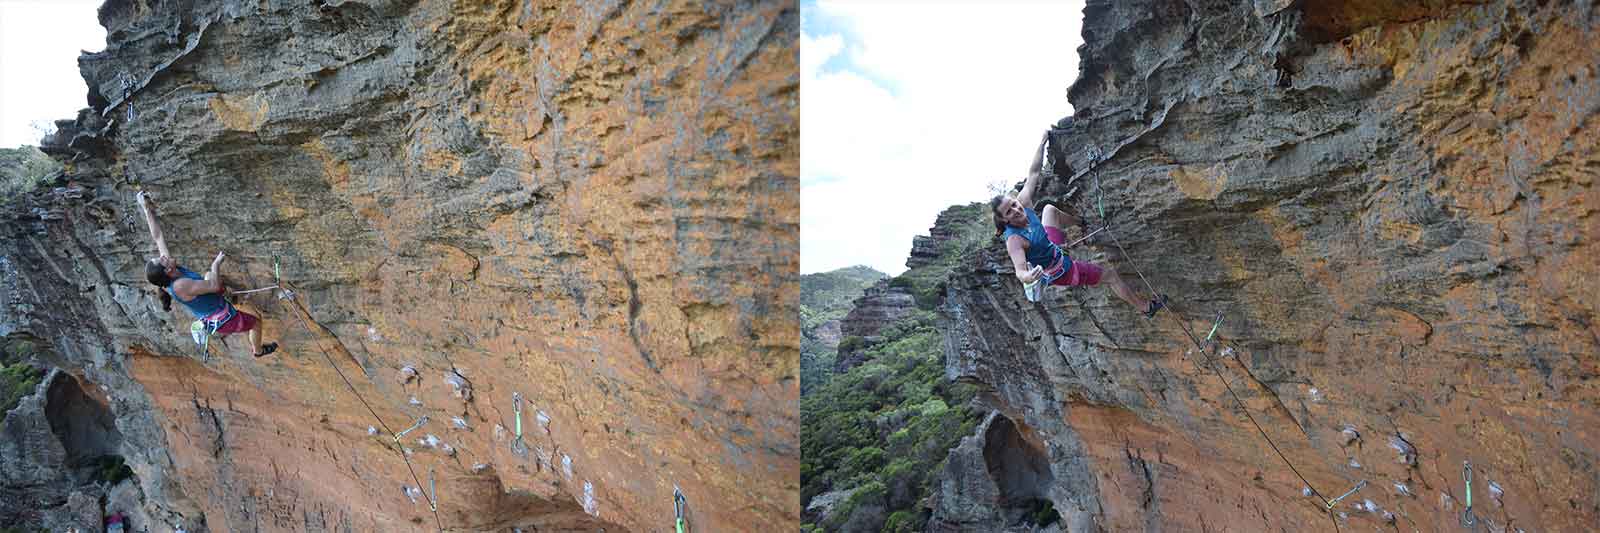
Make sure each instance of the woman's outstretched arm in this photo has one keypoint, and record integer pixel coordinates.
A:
(1026, 196)
(150, 220)
(1019, 260)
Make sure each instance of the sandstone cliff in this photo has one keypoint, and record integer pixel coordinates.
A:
(825, 299)
(1393, 212)
(590, 205)
(879, 307)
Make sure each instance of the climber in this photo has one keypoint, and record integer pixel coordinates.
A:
(202, 295)
(1032, 241)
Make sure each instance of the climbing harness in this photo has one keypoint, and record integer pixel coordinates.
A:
(1035, 289)
(1341, 497)
(678, 504)
(201, 330)
(201, 333)
(1467, 518)
(518, 446)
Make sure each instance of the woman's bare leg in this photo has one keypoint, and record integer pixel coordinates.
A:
(255, 331)
(1110, 278)
(255, 338)
(1058, 218)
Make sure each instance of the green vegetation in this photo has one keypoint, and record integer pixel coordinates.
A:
(24, 169)
(850, 343)
(884, 429)
(826, 297)
(111, 469)
(1042, 513)
(17, 378)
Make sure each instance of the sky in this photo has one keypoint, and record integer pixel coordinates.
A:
(906, 109)
(39, 83)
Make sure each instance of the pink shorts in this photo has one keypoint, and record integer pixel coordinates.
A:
(1081, 273)
(240, 322)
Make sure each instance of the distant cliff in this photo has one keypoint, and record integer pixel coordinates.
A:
(1393, 213)
(825, 299)
(590, 205)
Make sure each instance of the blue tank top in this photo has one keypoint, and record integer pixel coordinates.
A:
(1040, 251)
(203, 305)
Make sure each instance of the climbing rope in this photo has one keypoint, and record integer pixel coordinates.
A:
(1203, 350)
(1086, 237)
(432, 502)
(266, 288)
(1100, 202)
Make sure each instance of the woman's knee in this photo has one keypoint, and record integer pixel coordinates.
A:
(1053, 216)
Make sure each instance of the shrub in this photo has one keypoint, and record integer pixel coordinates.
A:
(24, 169)
(904, 522)
(850, 343)
(1042, 512)
(17, 381)
(111, 469)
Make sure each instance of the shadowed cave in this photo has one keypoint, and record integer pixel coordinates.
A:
(1020, 469)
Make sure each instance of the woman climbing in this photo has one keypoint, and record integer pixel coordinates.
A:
(1035, 242)
(203, 295)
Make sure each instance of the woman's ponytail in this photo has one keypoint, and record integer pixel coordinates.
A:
(156, 274)
(994, 209)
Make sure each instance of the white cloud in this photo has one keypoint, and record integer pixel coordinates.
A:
(908, 109)
(39, 81)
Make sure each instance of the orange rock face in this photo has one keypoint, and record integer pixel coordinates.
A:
(591, 206)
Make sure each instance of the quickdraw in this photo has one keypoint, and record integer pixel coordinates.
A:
(1100, 197)
(433, 492)
(518, 446)
(1467, 518)
(678, 503)
(1214, 326)
(1335, 501)
(420, 421)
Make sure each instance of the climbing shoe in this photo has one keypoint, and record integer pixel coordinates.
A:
(267, 349)
(1156, 304)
